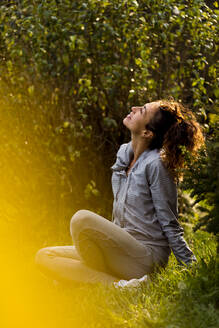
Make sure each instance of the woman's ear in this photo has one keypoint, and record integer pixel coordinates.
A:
(147, 134)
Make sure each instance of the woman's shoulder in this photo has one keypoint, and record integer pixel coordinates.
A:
(123, 156)
(156, 168)
(125, 152)
(153, 157)
(150, 160)
(124, 147)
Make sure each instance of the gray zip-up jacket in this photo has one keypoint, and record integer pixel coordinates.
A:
(145, 202)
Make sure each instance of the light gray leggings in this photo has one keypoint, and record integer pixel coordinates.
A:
(101, 252)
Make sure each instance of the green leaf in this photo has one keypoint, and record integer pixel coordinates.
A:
(65, 58)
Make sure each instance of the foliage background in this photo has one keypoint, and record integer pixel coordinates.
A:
(69, 73)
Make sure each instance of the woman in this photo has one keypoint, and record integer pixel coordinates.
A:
(144, 228)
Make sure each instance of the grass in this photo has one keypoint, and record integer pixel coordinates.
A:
(176, 297)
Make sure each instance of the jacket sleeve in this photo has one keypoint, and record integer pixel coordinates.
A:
(164, 196)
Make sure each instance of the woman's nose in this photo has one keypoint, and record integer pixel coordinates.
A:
(135, 109)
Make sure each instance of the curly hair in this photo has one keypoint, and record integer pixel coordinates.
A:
(176, 131)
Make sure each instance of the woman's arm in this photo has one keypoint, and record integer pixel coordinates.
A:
(164, 196)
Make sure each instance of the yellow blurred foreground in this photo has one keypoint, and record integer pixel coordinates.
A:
(28, 299)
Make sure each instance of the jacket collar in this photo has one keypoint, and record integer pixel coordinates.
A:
(124, 156)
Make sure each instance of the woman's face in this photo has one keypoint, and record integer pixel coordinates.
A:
(136, 120)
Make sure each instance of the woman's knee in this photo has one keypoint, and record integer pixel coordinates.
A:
(79, 220)
(41, 256)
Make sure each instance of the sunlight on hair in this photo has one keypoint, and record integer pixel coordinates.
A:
(186, 131)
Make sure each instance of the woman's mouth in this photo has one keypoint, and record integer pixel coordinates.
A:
(129, 116)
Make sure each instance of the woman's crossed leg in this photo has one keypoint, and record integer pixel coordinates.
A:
(102, 252)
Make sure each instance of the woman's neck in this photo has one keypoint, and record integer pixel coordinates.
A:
(139, 145)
